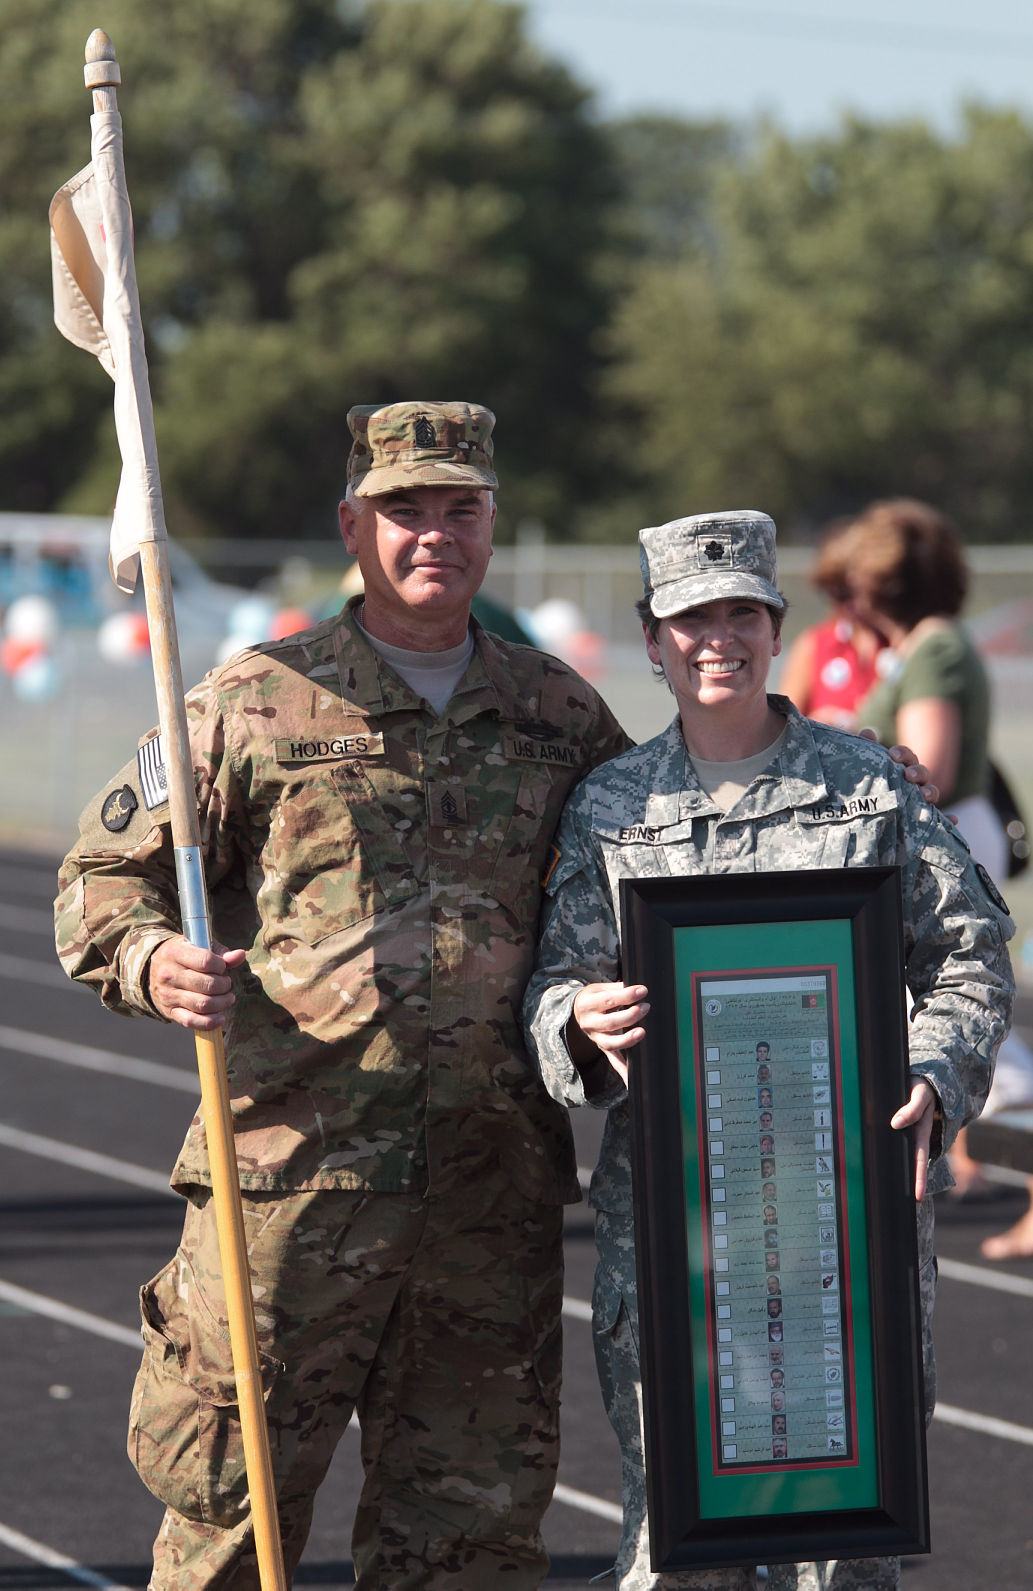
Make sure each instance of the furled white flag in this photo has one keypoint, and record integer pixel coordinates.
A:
(97, 307)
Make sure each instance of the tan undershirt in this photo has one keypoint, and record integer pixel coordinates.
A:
(432, 675)
(725, 782)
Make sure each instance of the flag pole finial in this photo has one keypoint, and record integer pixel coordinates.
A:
(101, 69)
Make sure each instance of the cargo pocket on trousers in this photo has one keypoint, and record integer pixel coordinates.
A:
(611, 1316)
(616, 1354)
(184, 1424)
(548, 1366)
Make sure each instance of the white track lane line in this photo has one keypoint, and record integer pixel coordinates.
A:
(140, 1177)
(167, 1076)
(19, 969)
(999, 1281)
(985, 1424)
(27, 920)
(38, 1553)
(21, 1042)
(42, 881)
(53, 1309)
(587, 1503)
(574, 1308)
(31, 1143)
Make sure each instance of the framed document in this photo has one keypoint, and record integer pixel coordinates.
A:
(779, 1313)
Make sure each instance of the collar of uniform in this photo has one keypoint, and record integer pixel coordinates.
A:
(364, 685)
(489, 684)
(676, 793)
(803, 778)
(372, 688)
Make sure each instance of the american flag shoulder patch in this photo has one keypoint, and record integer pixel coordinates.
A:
(150, 760)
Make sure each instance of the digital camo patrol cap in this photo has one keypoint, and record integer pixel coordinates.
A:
(420, 444)
(707, 557)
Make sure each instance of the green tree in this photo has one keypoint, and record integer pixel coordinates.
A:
(666, 170)
(209, 93)
(860, 325)
(333, 205)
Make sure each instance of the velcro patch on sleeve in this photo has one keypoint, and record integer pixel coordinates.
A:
(150, 762)
(551, 864)
(117, 809)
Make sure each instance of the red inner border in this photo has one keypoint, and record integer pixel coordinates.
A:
(851, 1458)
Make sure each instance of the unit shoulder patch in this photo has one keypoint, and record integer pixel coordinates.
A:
(118, 808)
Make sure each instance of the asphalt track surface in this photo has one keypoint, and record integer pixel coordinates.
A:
(92, 1112)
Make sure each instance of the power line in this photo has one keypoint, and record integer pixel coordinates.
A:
(800, 25)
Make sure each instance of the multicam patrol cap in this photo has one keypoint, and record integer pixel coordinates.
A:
(420, 444)
(707, 557)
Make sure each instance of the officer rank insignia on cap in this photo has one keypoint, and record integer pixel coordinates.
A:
(715, 550)
(118, 808)
(150, 760)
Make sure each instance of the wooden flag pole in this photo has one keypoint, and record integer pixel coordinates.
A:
(103, 77)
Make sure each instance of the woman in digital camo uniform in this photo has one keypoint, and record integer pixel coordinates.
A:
(740, 782)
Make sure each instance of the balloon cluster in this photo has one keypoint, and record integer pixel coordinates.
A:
(257, 619)
(29, 632)
(124, 638)
(558, 626)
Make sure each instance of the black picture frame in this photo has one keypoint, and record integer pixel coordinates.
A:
(758, 933)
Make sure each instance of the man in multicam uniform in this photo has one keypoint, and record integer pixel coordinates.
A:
(741, 783)
(377, 797)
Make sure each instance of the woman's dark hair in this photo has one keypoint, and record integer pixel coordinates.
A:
(907, 560)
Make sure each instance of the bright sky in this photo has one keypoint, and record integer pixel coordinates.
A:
(802, 61)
